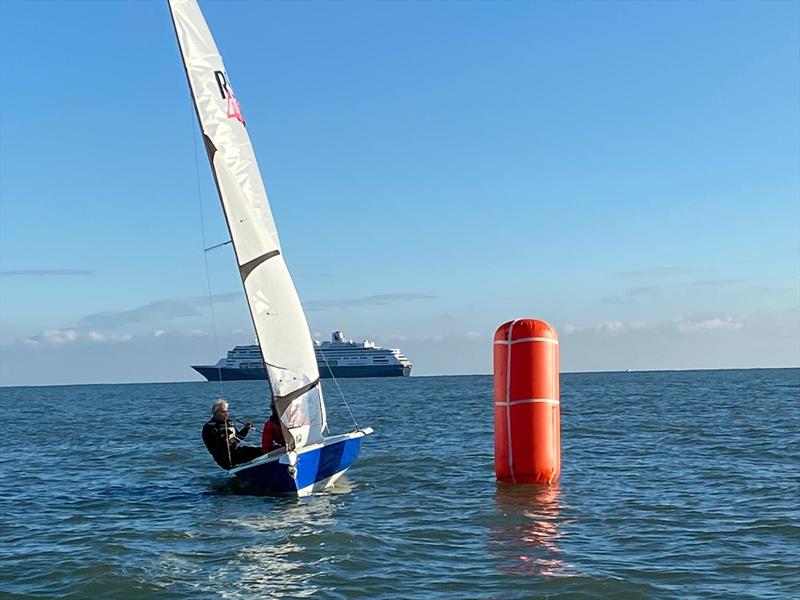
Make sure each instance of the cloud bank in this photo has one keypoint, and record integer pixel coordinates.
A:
(379, 300)
(160, 310)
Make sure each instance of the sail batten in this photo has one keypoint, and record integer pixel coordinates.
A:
(248, 268)
(278, 319)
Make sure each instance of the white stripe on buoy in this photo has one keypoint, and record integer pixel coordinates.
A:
(508, 406)
(528, 401)
(530, 339)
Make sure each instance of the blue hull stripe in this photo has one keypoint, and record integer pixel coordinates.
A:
(312, 467)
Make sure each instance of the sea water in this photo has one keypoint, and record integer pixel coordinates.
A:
(673, 485)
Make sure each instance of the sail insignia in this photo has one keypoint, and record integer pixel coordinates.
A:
(234, 109)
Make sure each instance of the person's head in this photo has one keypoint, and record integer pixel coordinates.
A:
(219, 410)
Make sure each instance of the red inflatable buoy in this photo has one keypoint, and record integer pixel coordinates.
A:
(527, 419)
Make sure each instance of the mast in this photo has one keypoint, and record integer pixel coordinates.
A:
(278, 319)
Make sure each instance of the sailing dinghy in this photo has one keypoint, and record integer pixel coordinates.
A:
(311, 459)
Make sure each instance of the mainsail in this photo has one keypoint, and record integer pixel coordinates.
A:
(278, 317)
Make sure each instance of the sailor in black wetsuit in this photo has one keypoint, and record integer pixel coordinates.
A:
(222, 439)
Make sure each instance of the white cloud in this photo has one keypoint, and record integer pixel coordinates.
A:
(689, 326)
(701, 340)
(62, 337)
(59, 337)
(119, 358)
(681, 325)
(610, 328)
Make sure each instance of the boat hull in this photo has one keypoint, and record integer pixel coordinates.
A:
(213, 373)
(314, 468)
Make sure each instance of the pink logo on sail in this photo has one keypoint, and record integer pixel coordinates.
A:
(234, 110)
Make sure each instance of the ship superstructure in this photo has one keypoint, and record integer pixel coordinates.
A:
(338, 357)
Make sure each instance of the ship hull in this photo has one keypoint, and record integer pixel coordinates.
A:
(213, 373)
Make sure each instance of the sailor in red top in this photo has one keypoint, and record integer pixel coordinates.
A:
(272, 436)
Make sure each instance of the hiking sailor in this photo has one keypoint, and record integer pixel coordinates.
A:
(222, 440)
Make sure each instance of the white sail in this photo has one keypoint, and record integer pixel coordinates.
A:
(278, 317)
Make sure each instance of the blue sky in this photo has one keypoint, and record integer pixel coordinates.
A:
(626, 171)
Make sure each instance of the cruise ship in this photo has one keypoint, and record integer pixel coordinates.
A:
(336, 358)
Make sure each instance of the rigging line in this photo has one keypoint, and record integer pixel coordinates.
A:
(341, 393)
(218, 245)
(205, 253)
